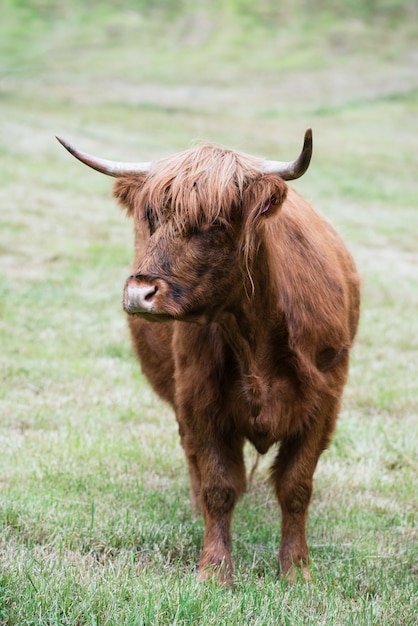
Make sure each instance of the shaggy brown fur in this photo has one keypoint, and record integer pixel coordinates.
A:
(260, 303)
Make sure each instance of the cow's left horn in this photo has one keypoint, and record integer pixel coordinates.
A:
(111, 168)
(292, 169)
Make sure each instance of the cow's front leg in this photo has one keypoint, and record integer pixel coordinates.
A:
(222, 473)
(292, 475)
(210, 438)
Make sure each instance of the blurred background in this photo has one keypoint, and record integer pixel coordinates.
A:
(157, 74)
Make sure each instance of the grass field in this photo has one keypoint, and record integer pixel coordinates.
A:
(94, 513)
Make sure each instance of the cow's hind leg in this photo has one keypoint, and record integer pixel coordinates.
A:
(292, 476)
(194, 472)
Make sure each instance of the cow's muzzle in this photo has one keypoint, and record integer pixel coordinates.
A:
(140, 295)
(158, 300)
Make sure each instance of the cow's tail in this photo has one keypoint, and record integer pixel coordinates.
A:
(253, 470)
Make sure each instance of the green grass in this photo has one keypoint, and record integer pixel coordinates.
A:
(94, 516)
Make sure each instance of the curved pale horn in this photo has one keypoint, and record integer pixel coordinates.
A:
(292, 169)
(111, 168)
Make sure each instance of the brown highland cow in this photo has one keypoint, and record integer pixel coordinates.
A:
(258, 303)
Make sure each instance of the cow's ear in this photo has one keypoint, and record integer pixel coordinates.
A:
(127, 190)
(263, 198)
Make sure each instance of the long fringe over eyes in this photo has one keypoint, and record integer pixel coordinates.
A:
(199, 186)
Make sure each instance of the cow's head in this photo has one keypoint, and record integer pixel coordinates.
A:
(196, 214)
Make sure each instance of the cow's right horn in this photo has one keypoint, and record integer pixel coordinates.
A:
(292, 169)
(111, 168)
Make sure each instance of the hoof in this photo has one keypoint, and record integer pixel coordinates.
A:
(220, 575)
(297, 573)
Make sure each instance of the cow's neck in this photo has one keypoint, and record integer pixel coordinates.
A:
(245, 348)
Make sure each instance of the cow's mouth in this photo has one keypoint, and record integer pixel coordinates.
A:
(152, 317)
(195, 317)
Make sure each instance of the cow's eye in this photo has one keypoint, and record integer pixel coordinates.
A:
(197, 230)
(218, 224)
(150, 219)
(151, 227)
(194, 230)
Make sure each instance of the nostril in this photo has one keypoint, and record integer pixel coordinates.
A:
(151, 293)
(139, 296)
